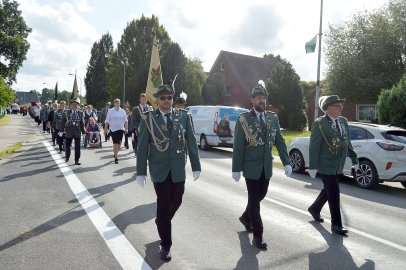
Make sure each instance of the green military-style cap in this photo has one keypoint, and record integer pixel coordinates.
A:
(259, 90)
(180, 100)
(164, 89)
(76, 100)
(325, 101)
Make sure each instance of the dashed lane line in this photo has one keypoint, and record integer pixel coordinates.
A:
(126, 255)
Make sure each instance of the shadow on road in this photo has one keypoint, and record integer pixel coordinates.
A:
(152, 255)
(102, 190)
(28, 173)
(137, 215)
(249, 254)
(336, 256)
(51, 224)
(382, 194)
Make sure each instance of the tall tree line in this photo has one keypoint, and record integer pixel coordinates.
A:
(96, 79)
(105, 73)
(367, 53)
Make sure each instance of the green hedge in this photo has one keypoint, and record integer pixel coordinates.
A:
(392, 105)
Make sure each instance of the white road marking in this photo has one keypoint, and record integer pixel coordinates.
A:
(367, 235)
(119, 245)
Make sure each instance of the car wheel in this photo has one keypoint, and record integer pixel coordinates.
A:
(366, 176)
(403, 183)
(297, 160)
(203, 143)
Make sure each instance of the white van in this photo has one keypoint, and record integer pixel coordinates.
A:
(214, 125)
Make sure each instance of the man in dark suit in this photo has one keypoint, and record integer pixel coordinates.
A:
(165, 134)
(136, 113)
(256, 132)
(73, 125)
(329, 147)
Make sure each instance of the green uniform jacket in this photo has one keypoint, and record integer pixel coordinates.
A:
(328, 149)
(253, 155)
(173, 159)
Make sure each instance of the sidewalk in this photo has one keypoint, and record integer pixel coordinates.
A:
(17, 129)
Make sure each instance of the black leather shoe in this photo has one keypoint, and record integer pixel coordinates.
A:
(66, 159)
(77, 163)
(259, 244)
(338, 230)
(164, 254)
(315, 215)
(246, 224)
(116, 160)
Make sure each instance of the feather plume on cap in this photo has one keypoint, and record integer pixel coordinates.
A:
(261, 82)
(183, 95)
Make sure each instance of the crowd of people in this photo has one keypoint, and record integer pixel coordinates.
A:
(163, 138)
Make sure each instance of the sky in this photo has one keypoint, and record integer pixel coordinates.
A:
(63, 32)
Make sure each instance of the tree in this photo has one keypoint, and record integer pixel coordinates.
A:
(46, 95)
(173, 61)
(96, 80)
(285, 93)
(13, 35)
(367, 53)
(6, 94)
(214, 89)
(134, 49)
(65, 96)
(392, 105)
(193, 78)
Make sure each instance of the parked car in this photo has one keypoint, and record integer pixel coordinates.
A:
(214, 125)
(381, 153)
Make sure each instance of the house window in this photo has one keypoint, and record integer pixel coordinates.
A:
(222, 66)
(366, 112)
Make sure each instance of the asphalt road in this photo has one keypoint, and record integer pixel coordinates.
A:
(44, 226)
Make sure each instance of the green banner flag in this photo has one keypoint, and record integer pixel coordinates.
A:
(310, 46)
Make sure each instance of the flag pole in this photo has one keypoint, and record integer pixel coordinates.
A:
(316, 99)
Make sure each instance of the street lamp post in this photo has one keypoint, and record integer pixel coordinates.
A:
(81, 82)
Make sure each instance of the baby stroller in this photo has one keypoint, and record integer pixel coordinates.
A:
(92, 136)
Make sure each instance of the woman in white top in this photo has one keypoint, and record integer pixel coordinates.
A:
(117, 121)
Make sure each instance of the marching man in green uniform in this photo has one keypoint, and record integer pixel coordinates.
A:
(73, 125)
(329, 146)
(255, 133)
(165, 135)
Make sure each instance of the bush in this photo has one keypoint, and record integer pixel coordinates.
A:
(297, 121)
(391, 105)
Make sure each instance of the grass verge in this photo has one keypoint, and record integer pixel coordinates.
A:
(289, 135)
(11, 149)
(4, 120)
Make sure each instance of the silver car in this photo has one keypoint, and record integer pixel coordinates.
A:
(381, 153)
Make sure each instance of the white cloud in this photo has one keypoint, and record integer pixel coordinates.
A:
(60, 43)
(63, 32)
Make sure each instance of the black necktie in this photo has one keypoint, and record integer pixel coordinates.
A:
(168, 121)
(338, 126)
(261, 120)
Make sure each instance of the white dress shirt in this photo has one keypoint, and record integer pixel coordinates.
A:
(116, 119)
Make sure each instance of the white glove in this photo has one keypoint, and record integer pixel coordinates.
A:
(356, 167)
(196, 175)
(236, 176)
(288, 170)
(60, 134)
(141, 180)
(313, 173)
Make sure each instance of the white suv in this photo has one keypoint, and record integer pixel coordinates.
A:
(381, 153)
